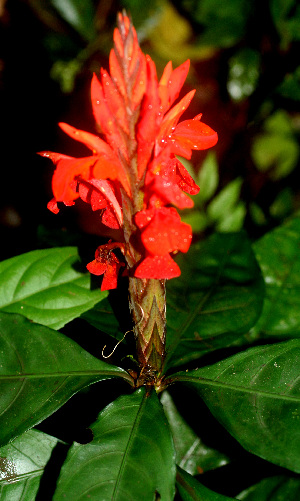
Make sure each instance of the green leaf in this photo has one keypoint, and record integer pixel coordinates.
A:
(278, 255)
(130, 457)
(243, 73)
(234, 220)
(277, 150)
(286, 17)
(256, 396)
(22, 464)
(273, 489)
(191, 490)
(217, 298)
(222, 205)
(197, 220)
(208, 178)
(191, 453)
(79, 14)
(47, 286)
(283, 204)
(290, 87)
(222, 23)
(103, 318)
(40, 369)
(257, 214)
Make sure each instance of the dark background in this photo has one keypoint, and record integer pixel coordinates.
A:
(245, 67)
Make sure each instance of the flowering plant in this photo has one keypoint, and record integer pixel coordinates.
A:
(220, 298)
(133, 176)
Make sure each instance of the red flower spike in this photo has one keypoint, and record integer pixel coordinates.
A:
(132, 167)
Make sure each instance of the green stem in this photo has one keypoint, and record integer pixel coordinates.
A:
(148, 308)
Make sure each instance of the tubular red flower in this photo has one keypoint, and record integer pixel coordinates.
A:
(106, 263)
(132, 174)
(162, 233)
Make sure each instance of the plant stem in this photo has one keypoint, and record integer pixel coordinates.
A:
(148, 308)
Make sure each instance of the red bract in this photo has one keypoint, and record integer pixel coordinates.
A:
(162, 233)
(132, 174)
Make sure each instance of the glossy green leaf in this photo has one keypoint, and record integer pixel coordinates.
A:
(79, 14)
(225, 201)
(290, 87)
(217, 298)
(277, 150)
(103, 318)
(47, 286)
(286, 17)
(243, 73)
(130, 458)
(273, 489)
(233, 221)
(22, 464)
(192, 455)
(279, 258)
(191, 490)
(40, 369)
(223, 22)
(208, 178)
(256, 396)
(283, 204)
(257, 214)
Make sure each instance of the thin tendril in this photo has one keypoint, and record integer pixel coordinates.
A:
(119, 342)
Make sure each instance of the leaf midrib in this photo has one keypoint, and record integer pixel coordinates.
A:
(223, 385)
(39, 291)
(4, 377)
(128, 445)
(184, 326)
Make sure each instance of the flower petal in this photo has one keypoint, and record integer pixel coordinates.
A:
(93, 142)
(194, 135)
(106, 189)
(147, 127)
(166, 233)
(96, 267)
(157, 267)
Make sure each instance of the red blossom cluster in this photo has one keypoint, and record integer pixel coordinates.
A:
(134, 167)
